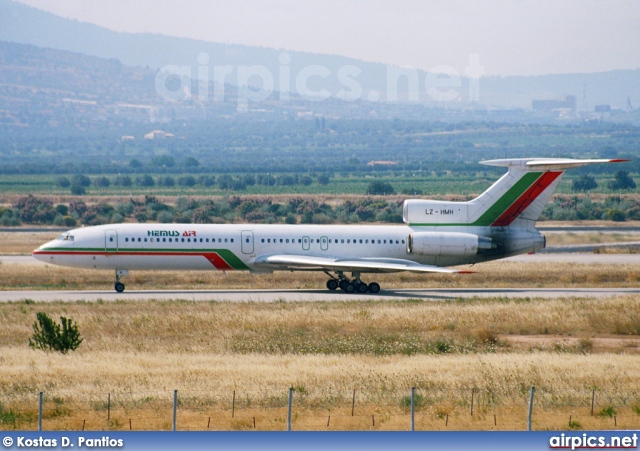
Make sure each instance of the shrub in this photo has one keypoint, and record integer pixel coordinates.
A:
(78, 190)
(48, 335)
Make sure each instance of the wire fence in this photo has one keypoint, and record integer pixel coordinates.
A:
(301, 409)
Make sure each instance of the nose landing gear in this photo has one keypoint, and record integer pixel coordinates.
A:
(119, 286)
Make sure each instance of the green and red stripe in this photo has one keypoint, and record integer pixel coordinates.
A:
(222, 259)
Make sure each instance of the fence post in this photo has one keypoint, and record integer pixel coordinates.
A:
(533, 389)
(413, 393)
(40, 413)
(109, 407)
(175, 410)
(353, 402)
(233, 405)
(289, 410)
(473, 393)
(593, 399)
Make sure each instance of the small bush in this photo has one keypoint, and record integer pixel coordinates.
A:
(608, 411)
(48, 335)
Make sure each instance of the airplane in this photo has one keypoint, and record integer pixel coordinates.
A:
(437, 234)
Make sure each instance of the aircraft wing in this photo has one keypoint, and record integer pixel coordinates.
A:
(309, 263)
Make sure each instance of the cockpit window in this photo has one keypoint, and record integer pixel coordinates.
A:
(65, 237)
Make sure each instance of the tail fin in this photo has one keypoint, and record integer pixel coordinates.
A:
(517, 198)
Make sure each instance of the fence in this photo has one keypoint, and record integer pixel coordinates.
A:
(298, 408)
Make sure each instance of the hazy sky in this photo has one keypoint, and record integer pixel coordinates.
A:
(521, 37)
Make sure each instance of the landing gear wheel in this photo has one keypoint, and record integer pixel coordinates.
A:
(349, 288)
(343, 285)
(332, 284)
(362, 287)
(119, 286)
(374, 287)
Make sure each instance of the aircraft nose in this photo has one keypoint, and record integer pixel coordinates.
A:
(41, 253)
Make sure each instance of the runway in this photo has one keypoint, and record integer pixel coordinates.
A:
(425, 294)
(570, 257)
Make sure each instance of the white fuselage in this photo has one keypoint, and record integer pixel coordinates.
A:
(241, 246)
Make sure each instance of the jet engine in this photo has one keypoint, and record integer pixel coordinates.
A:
(446, 243)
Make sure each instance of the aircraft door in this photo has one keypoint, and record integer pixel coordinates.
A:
(306, 243)
(324, 243)
(110, 241)
(247, 241)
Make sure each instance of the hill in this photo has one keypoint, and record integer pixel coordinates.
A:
(22, 24)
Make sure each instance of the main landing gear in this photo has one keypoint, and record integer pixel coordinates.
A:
(119, 286)
(354, 285)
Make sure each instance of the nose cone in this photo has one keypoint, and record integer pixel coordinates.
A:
(42, 253)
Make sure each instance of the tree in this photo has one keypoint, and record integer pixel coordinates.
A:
(50, 336)
(324, 179)
(81, 180)
(102, 182)
(145, 180)
(63, 182)
(621, 181)
(166, 161)
(187, 180)
(584, 184)
(78, 190)
(378, 187)
(123, 180)
(191, 162)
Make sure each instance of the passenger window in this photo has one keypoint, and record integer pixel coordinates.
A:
(182, 239)
(171, 240)
(139, 239)
(286, 240)
(111, 239)
(348, 241)
(402, 241)
(262, 240)
(378, 241)
(342, 241)
(385, 241)
(207, 240)
(299, 241)
(360, 241)
(365, 241)
(126, 240)
(145, 240)
(226, 240)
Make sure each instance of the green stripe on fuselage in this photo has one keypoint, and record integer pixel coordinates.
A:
(228, 256)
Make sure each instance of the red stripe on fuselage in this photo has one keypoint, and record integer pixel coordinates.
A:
(526, 199)
(213, 257)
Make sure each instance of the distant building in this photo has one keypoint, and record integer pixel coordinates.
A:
(382, 163)
(603, 108)
(158, 134)
(569, 103)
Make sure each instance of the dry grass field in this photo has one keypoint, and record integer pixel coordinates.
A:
(141, 351)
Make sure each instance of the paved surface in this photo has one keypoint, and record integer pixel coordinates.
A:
(439, 294)
(573, 257)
